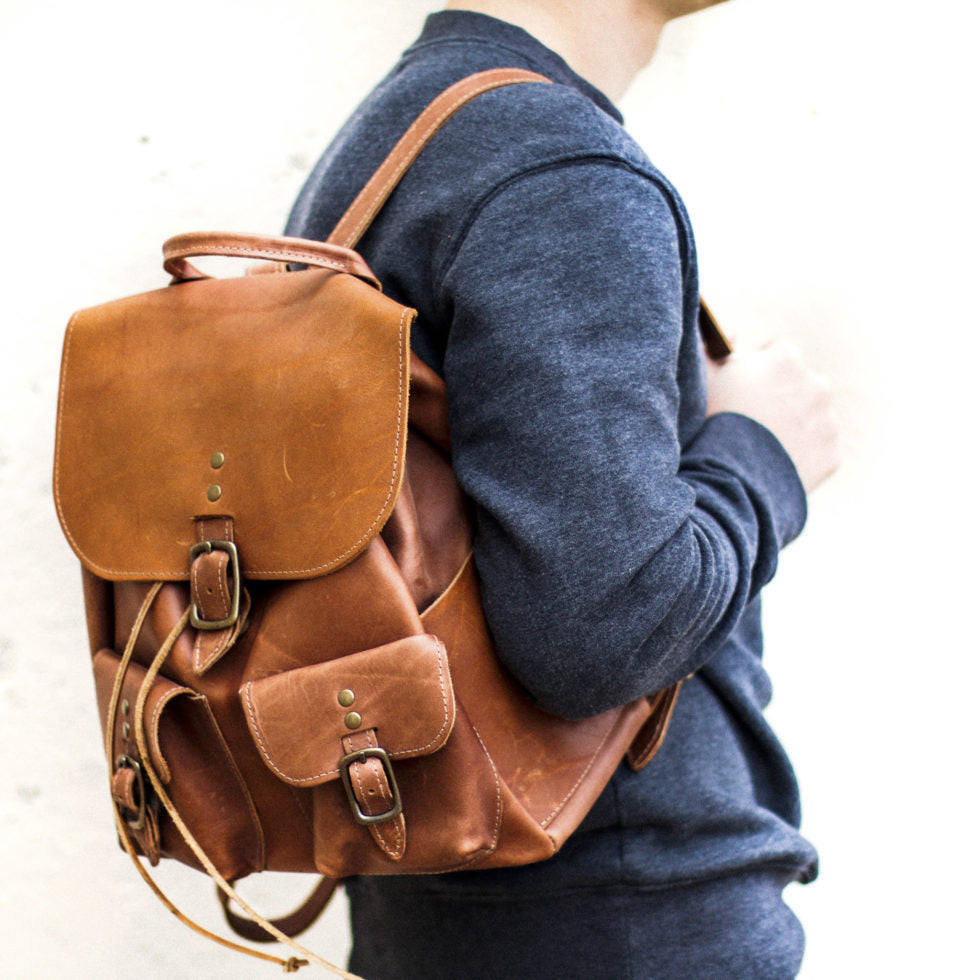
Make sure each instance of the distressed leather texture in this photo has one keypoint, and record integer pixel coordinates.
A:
(353, 718)
(357, 576)
(190, 755)
(166, 379)
(486, 778)
(401, 690)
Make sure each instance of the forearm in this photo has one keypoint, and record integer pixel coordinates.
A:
(612, 562)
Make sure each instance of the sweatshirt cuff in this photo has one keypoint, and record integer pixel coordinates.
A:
(750, 451)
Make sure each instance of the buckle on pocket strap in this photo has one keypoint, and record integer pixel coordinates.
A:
(361, 755)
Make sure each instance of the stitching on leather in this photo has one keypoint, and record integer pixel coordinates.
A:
(483, 851)
(309, 258)
(490, 848)
(496, 780)
(415, 150)
(247, 690)
(224, 639)
(198, 653)
(300, 256)
(223, 642)
(195, 578)
(373, 767)
(394, 851)
(221, 637)
(406, 313)
(253, 812)
(325, 567)
(585, 772)
(154, 731)
(256, 727)
(226, 601)
(69, 337)
(445, 704)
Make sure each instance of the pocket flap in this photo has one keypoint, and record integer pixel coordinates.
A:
(402, 690)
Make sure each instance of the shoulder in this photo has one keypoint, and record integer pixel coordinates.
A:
(521, 128)
(529, 138)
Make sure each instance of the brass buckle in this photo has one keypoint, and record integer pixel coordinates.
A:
(360, 756)
(128, 762)
(205, 548)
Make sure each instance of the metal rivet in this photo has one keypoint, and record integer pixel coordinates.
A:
(214, 492)
(352, 720)
(125, 729)
(125, 707)
(346, 697)
(217, 460)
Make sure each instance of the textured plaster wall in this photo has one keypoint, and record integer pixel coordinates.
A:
(825, 150)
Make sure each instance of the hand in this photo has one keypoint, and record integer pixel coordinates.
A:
(773, 386)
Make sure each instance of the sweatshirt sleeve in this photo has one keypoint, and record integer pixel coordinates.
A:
(612, 562)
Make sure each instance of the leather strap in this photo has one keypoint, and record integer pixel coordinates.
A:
(209, 577)
(365, 207)
(297, 921)
(651, 736)
(374, 795)
(122, 778)
(288, 965)
(376, 191)
(334, 254)
(210, 590)
(716, 345)
(275, 248)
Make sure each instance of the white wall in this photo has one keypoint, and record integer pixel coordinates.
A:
(826, 153)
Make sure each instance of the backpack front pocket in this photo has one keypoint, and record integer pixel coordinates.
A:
(191, 759)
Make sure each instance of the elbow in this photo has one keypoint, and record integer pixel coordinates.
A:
(577, 676)
(619, 630)
(619, 645)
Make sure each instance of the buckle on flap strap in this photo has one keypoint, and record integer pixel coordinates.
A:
(235, 590)
(360, 756)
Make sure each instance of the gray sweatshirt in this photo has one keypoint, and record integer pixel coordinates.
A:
(622, 538)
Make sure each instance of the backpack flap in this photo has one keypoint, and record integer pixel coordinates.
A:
(302, 720)
(279, 401)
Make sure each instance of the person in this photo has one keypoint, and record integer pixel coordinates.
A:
(630, 500)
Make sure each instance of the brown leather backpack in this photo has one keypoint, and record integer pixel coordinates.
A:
(292, 666)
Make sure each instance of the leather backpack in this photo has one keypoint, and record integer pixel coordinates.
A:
(292, 667)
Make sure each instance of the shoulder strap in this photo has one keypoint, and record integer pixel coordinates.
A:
(377, 190)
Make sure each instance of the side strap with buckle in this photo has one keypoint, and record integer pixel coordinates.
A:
(290, 965)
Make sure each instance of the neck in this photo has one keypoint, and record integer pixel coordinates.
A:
(606, 42)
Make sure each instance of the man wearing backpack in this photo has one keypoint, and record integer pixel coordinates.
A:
(630, 503)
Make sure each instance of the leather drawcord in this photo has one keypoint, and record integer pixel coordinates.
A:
(110, 725)
(290, 965)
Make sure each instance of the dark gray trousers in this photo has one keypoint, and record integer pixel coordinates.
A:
(726, 929)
